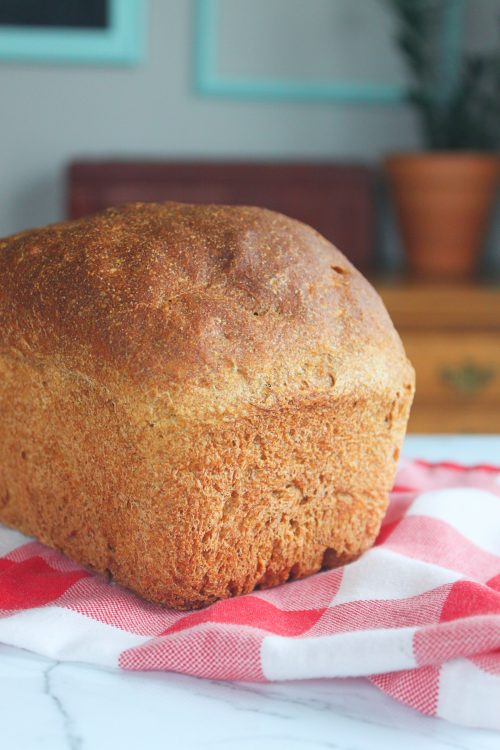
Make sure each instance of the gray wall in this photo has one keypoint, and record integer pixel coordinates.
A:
(51, 114)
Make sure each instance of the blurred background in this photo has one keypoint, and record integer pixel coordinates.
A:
(376, 121)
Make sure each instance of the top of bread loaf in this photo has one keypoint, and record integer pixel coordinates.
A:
(240, 302)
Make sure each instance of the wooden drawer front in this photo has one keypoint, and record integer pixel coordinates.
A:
(427, 419)
(455, 368)
(458, 381)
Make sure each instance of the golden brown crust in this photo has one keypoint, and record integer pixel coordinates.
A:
(199, 399)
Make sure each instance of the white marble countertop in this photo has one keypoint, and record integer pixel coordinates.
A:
(64, 706)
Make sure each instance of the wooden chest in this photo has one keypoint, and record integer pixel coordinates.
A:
(452, 336)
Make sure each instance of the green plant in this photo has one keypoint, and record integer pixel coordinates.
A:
(458, 114)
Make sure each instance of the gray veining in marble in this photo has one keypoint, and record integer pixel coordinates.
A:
(66, 706)
(74, 740)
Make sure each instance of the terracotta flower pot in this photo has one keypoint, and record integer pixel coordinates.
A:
(443, 201)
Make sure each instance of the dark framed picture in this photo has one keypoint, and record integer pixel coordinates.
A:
(80, 31)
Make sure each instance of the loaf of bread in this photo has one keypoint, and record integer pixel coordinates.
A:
(196, 400)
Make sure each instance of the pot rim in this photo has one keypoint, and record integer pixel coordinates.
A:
(448, 156)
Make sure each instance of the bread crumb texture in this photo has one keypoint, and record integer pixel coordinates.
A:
(198, 400)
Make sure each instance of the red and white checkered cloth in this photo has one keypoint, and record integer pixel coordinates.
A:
(418, 615)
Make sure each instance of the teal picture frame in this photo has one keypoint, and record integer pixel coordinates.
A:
(122, 43)
(209, 82)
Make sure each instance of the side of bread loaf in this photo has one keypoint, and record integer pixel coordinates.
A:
(198, 400)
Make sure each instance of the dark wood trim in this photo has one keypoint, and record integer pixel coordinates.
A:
(335, 198)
